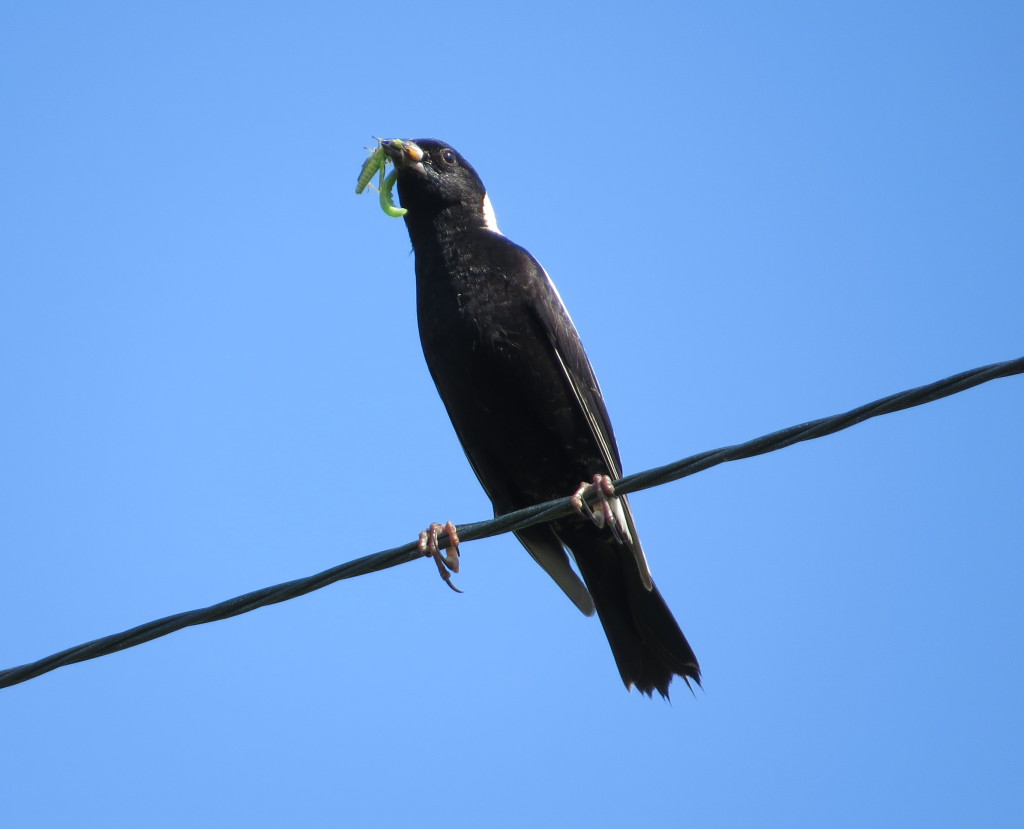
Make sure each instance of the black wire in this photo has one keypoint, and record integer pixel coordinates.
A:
(512, 521)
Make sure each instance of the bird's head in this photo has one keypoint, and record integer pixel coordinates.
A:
(434, 180)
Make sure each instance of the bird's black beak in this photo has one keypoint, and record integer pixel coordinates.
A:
(404, 154)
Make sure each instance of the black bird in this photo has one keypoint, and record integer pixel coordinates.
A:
(524, 401)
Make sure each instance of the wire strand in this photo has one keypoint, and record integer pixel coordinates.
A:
(518, 520)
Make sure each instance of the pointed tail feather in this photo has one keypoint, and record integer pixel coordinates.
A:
(646, 641)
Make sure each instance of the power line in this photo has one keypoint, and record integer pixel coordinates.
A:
(512, 521)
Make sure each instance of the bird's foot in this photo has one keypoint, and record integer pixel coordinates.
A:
(603, 516)
(446, 564)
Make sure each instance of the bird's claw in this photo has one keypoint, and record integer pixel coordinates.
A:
(604, 516)
(446, 564)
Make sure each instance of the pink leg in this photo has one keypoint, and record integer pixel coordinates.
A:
(604, 516)
(445, 563)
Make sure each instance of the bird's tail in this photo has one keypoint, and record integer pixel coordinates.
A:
(646, 640)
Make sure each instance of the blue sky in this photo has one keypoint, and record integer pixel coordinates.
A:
(758, 214)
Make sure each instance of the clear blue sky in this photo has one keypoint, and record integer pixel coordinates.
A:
(758, 214)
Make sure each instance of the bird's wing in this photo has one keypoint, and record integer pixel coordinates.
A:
(579, 374)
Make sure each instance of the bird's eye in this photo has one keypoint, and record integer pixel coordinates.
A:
(447, 157)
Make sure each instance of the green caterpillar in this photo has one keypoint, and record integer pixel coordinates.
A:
(376, 163)
(386, 202)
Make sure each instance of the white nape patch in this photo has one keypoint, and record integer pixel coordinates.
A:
(490, 220)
